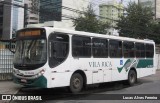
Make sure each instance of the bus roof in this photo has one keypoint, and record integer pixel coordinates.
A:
(82, 33)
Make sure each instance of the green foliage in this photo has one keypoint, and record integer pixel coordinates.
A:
(155, 32)
(138, 23)
(89, 23)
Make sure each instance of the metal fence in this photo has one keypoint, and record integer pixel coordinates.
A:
(6, 59)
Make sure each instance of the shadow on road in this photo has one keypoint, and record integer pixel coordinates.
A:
(63, 93)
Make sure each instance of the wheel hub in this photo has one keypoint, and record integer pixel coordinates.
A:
(76, 83)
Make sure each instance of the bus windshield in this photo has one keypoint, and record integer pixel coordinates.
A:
(30, 53)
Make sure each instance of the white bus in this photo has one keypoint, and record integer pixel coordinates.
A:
(51, 57)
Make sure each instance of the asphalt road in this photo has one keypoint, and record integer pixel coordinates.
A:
(99, 94)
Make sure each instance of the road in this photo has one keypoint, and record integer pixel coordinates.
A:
(95, 94)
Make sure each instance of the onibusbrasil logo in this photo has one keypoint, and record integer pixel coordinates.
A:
(21, 98)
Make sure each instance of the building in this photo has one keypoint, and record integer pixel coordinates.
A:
(69, 11)
(12, 18)
(32, 14)
(154, 4)
(50, 10)
(110, 12)
(60, 13)
(17, 18)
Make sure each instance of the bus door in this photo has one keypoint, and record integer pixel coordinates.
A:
(107, 74)
(97, 75)
(102, 72)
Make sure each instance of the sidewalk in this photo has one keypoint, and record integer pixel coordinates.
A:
(8, 87)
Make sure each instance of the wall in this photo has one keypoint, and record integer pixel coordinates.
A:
(158, 61)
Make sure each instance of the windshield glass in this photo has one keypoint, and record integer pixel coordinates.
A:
(30, 53)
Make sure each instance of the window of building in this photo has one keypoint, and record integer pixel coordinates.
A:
(100, 48)
(128, 49)
(115, 48)
(81, 46)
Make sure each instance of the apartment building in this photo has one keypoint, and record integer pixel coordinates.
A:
(111, 11)
(32, 15)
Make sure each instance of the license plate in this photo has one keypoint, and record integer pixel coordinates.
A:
(24, 80)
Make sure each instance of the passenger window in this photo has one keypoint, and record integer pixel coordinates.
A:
(140, 50)
(149, 51)
(81, 46)
(115, 48)
(100, 48)
(128, 49)
(58, 48)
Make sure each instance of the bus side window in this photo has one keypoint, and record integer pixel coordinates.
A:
(149, 50)
(128, 49)
(81, 46)
(115, 48)
(140, 50)
(100, 48)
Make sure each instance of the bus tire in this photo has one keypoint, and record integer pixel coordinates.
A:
(132, 77)
(76, 83)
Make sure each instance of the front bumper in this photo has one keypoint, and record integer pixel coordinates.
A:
(40, 82)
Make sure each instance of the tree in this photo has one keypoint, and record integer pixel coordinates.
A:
(155, 32)
(137, 22)
(89, 23)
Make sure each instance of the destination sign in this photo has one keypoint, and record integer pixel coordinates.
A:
(31, 33)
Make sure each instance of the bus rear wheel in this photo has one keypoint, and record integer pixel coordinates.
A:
(132, 77)
(76, 83)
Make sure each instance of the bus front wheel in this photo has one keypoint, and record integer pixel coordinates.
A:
(132, 77)
(76, 83)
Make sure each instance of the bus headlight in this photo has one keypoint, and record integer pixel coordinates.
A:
(40, 73)
(16, 71)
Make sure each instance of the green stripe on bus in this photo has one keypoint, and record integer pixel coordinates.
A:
(141, 63)
(145, 63)
(40, 82)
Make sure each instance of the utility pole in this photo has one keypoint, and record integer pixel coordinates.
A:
(25, 15)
